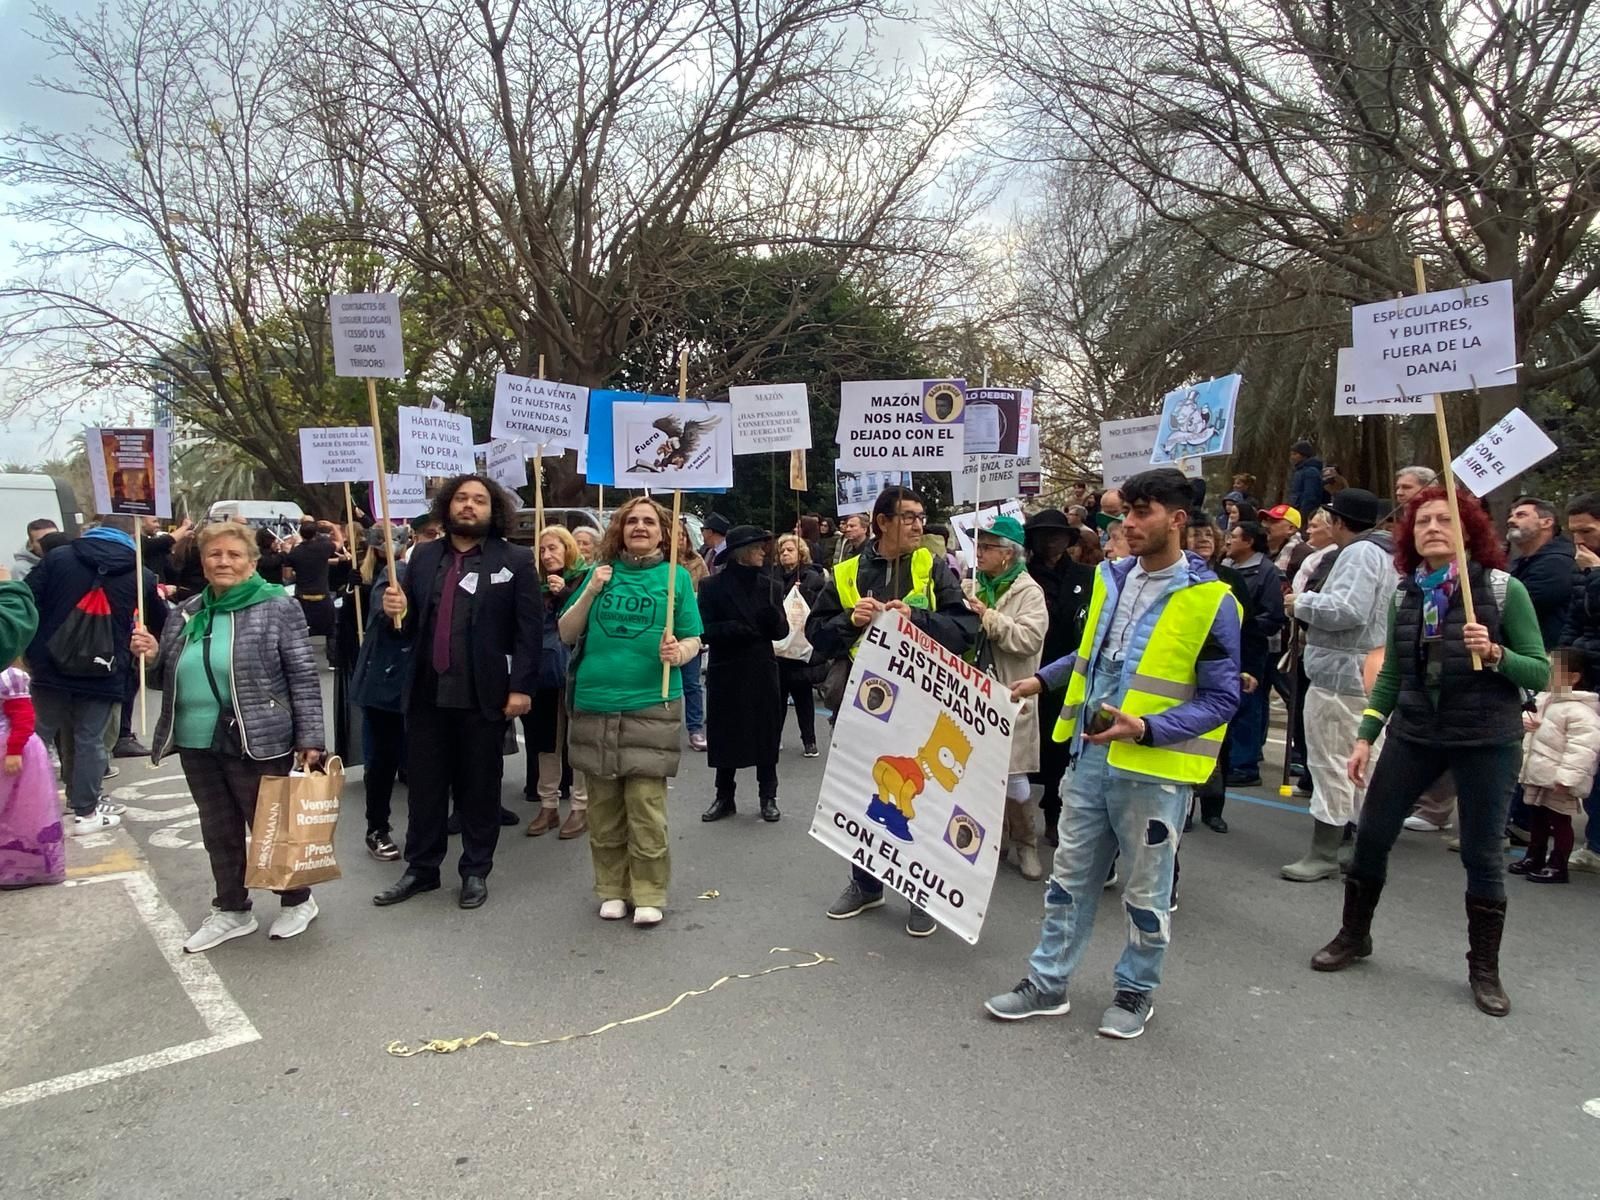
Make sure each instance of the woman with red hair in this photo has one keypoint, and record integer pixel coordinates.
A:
(1445, 714)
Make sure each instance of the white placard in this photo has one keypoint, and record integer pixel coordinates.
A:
(539, 412)
(435, 442)
(1197, 421)
(508, 464)
(1435, 342)
(338, 454)
(1349, 402)
(1125, 449)
(366, 335)
(914, 792)
(857, 491)
(770, 418)
(1512, 445)
(408, 497)
(130, 470)
(966, 526)
(672, 447)
(901, 424)
(999, 476)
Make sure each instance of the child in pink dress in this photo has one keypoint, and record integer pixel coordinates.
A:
(31, 847)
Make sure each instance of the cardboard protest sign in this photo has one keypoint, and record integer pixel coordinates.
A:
(1196, 421)
(338, 454)
(768, 418)
(595, 456)
(901, 424)
(914, 791)
(408, 497)
(366, 335)
(508, 464)
(995, 421)
(1434, 342)
(672, 447)
(539, 412)
(857, 490)
(1126, 447)
(1512, 445)
(1348, 401)
(965, 526)
(131, 471)
(435, 442)
(993, 476)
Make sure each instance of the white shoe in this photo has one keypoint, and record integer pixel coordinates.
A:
(645, 915)
(110, 807)
(1423, 825)
(292, 922)
(220, 927)
(95, 822)
(1584, 859)
(613, 910)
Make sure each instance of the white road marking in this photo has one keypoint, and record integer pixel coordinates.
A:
(226, 1023)
(168, 837)
(158, 814)
(1592, 1107)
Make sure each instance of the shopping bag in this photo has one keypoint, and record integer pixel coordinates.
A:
(794, 645)
(291, 839)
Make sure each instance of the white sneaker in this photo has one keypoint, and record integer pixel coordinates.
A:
(110, 807)
(1423, 825)
(1584, 859)
(645, 915)
(292, 922)
(220, 927)
(95, 822)
(613, 910)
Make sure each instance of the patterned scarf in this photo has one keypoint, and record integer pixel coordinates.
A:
(1437, 588)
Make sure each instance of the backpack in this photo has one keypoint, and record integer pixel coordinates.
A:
(84, 646)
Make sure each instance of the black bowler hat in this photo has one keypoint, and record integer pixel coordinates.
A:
(1048, 520)
(746, 535)
(1358, 505)
(716, 523)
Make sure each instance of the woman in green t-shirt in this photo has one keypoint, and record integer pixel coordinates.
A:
(623, 733)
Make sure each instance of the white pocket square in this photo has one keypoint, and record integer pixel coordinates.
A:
(503, 575)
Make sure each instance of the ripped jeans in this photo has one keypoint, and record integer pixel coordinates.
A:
(1103, 815)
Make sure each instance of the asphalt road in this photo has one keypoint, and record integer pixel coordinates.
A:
(261, 1070)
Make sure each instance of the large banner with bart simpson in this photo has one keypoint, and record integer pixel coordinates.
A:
(914, 793)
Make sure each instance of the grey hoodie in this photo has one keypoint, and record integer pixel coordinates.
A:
(22, 562)
(1348, 617)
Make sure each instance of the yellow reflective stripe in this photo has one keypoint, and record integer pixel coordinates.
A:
(846, 581)
(1372, 712)
(1169, 689)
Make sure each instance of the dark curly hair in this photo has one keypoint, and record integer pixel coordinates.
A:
(1477, 531)
(502, 504)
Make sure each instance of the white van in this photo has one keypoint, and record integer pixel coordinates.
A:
(28, 498)
(283, 516)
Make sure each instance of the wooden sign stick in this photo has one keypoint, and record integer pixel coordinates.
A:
(138, 618)
(383, 484)
(672, 534)
(350, 527)
(538, 485)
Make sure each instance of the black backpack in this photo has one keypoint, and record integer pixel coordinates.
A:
(84, 646)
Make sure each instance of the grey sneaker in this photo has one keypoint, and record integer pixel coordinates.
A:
(1024, 1001)
(920, 924)
(1129, 1013)
(853, 901)
(220, 927)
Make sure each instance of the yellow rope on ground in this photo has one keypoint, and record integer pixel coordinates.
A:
(451, 1045)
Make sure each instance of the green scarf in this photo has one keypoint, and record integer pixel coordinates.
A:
(990, 590)
(243, 594)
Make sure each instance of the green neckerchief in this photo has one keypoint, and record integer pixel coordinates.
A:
(241, 595)
(990, 590)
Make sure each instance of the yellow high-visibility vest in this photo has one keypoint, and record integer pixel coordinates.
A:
(1163, 678)
(846, 582)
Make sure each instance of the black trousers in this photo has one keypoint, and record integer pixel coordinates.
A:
(385, 748)
(224, 790)
(452, 750)
(766, 781)
(795, 683)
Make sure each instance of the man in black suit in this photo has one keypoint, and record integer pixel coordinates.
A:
(471, 612)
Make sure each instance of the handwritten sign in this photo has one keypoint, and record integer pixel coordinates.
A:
(435, 442)
(1512, 445)
(770, 418)
(901, 424)
(1436, 342)
(1348, 400)
(366, 335)
(539, 412)
(338, 454)
(508, 464)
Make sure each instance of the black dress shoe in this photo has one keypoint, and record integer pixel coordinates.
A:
(1216, 825)
(474, 891)
(722, 806)
(769, 809)
(407, 886)
(507, 817)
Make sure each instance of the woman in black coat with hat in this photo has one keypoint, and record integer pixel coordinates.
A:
(741, 608)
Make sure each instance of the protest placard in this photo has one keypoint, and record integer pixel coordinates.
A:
(901, 424)
(797, 470)
(435, 442)
(1349, 402)
(995, 421)
(769, 418)
(508, 464)
(338, 454)
(539, 412)
(408, 497)
(965, 526)
(366, 335)
(131, 471)
(993, 477)
(676, 447)
(1511, 446)
(1196, 421)
(856, 490)
(1126, 447)
(1434, 342)
(914, 791)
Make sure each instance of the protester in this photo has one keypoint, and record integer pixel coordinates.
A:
(1408, 481)
(797, 678)
(1559, 753)
(1345, 617)
(307, 566)
(80, 678)
(828, 544)
(852, 537)
(1306, 491)
(1582, 631)
(544, 726)
(240, 699)
(1013, 616)
(1247, 735)
(1201, 538)
(1333, 481)
(741, 614)
(1284, 543)
(28, 557)
(1447, 715)
(694, 688)
(159, 546)
(377, 686)
(271, 558)
(1149, 694)
(1116, 541)
(1243, 486)
(893, 572)
(588, 539)
(1050, 538)
(469, 607)
(809, 529)
(1319, 536)
(1077, 516)
(714, 532)
(32, 848)
(1111, 503)
(187, 572)
(1545, 563)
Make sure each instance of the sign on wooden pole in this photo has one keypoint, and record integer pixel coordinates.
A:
(672, 534)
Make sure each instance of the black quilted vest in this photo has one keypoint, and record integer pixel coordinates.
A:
(1475, 708)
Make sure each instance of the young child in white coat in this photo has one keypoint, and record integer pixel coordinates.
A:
(1559, 753)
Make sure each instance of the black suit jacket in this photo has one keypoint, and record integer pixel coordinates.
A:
(507, 620)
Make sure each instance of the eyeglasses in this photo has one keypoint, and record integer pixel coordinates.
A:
(910, 518)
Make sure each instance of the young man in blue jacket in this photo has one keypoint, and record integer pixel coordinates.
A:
(1148, 696)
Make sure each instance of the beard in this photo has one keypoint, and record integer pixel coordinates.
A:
(461, 527)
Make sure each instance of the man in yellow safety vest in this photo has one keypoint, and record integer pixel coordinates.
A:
(893, 571)
(1148, 696)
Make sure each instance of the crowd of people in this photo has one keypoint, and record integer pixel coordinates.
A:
(1145, 633)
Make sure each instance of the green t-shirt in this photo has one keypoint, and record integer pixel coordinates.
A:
(620, 670)
(196, 712)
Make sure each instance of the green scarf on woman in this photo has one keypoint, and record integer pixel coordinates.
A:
(241, 595)
(990, 589)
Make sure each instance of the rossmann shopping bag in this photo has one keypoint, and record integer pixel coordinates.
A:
(291, 840)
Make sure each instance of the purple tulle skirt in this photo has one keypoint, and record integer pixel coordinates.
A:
(32, 845)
